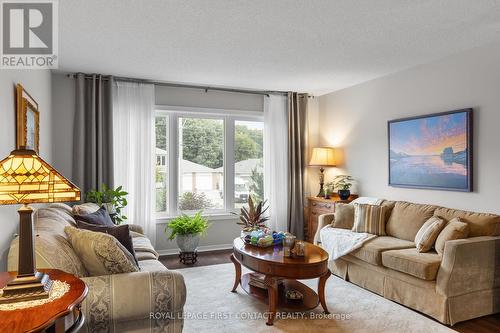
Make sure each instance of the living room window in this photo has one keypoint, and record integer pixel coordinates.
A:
(210, 160)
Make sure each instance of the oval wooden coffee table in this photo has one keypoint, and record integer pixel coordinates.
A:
(281, 274)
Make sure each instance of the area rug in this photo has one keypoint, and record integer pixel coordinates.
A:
(211, 307)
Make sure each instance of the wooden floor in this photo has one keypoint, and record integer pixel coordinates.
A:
(488, 324)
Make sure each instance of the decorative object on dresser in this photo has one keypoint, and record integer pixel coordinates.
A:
(62, 314)
(343, 184)
(318, 206)
(28, 120)
(322, 157)
(281, 275)
(432, 151)
(25, 178)
(187, 231)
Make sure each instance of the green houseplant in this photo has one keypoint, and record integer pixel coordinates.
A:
(114, 200)
(253, 217)
(187, 231)
(343, 184)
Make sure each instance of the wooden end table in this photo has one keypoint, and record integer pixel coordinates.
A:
(271, 262)
(60, 315)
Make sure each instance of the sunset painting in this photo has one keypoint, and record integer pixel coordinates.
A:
(431, 151)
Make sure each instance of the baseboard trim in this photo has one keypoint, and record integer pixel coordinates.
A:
(204, 248)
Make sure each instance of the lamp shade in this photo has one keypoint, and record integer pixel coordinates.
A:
(323, 156)
(26, 178)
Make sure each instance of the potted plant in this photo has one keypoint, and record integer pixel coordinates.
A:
(187, 231)
(114, 200)
(343, 183)
(252, 218)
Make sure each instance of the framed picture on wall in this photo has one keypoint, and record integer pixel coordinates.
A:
(28, 121)
(432, 151)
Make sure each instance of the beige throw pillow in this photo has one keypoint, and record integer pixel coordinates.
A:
(85, 208)
(101, 254)
(426, 236)
(370, 219)
(455, 229)
(344, 216)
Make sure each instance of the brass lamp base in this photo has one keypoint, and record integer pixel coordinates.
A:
(27, 288)
(321, 182)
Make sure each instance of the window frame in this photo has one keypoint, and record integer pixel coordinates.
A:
(229, 117)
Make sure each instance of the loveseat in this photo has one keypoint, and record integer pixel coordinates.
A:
(150, 300)
(462, 284)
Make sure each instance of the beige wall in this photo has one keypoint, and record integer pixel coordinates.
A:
(38, 84)
(355, 119)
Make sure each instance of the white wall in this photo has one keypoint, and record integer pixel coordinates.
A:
(215, 99)
(38, 84)
(355, 119)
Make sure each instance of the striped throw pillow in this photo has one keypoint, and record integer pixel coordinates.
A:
(370, 219)
(426, 236)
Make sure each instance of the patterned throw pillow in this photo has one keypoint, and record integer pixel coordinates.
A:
(426, 236)
(455, 229)
(370, 219)
(101, 254)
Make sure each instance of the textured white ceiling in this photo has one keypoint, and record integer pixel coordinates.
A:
(308, 46)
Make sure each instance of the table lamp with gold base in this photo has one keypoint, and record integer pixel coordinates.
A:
(322, 157)
(25, 178)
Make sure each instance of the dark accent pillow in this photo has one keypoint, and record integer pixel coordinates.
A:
(101, 217)
(120, 232)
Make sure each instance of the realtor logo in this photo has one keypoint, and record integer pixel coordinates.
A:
(29, 34)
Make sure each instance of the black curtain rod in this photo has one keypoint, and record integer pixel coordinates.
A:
(180, 85)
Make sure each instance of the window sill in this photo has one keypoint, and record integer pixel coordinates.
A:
(211, 217)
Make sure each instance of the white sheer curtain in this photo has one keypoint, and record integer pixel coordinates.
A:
(134, 159)
(276, 160)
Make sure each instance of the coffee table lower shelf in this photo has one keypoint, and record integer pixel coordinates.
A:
(309, 301)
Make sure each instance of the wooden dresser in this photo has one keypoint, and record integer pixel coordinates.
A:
(318, 206)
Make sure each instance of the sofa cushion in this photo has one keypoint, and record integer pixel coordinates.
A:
(100, 253)
(343, 216)
(370, 219)
(426, 236)
(51, 251)
(407, 218)
(120, 232)
(100, 217)
(85, 208)
(422, 265)
(371, 251)
(143, 244)
(455, 229)
(481, 224)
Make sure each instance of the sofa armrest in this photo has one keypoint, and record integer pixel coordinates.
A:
(469, 265)
(323, 220)
(136, 228)
(158, 296)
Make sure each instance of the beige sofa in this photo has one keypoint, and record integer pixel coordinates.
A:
(462, 284)
(150, 300)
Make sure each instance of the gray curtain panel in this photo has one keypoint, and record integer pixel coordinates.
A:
(93, 132)
(297, 136)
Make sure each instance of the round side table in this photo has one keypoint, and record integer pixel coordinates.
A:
(60, 315)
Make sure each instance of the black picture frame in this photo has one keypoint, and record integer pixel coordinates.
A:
(469, 152)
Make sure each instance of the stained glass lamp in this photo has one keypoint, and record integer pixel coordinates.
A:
(25, 178)
(322, 157)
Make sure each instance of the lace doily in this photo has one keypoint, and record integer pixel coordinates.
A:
(59, 288)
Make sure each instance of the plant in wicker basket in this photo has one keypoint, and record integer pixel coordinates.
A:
(253, 218)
